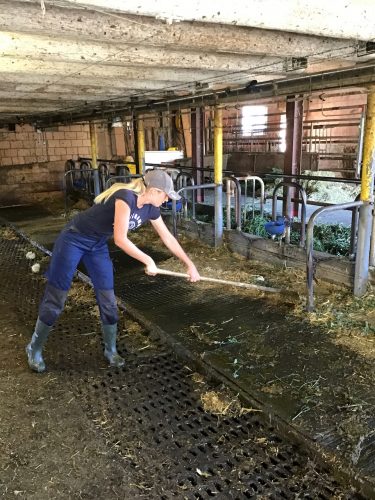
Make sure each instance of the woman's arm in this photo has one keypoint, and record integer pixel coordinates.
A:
(173, 245)
(120, 236)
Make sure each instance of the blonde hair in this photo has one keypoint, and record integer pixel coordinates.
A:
(136, 185)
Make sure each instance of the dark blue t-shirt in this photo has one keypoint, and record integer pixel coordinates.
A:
(98, 220)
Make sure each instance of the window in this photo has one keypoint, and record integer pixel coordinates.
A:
(254, 120)
(282, 133)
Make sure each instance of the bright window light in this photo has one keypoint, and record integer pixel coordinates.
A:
(254, 120)
(282, 133)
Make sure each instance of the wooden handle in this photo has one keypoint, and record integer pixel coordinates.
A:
(224, 282)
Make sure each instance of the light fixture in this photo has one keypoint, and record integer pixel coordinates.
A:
(37, 128)
(295, 63)
(117, 122)
(365, 48)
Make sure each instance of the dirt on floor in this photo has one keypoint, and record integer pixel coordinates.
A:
(82, 465)
(49, 448)
(348, 320)
(334, 405)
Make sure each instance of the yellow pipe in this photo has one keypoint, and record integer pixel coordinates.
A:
(94, 149)
(218, 146)
(141, 145)
(368, 149)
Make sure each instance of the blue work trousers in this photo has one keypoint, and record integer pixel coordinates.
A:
(70, 248)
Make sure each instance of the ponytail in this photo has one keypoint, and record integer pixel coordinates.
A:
(136, 185)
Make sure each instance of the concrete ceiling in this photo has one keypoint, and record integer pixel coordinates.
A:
(71, 59)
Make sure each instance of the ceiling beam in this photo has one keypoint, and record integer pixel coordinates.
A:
(63, 70)
(352, 19)
(48, 49)
(235, 68)
(105, 27)
(29, 82)
(83, 97)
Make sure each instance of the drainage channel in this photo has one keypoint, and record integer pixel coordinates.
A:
(151, 412)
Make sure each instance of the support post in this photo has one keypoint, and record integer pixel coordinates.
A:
(94, 155)
(293, 152)
(367, 195)
(135, 142)
(141, 146)
(197, 132)
(218, 175)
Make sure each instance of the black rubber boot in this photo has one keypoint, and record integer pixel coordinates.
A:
(110, 351)
(35, 348)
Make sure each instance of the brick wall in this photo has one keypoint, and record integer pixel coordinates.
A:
(31, 182)
(26, 145)
(32, 163)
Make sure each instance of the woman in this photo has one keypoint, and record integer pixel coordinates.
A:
(119, 209)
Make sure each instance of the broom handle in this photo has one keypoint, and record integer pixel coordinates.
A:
(225, 282)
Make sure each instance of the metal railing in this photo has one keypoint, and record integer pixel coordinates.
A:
(120, 178)
(237, 201)
(181, 182)
(302, 192)
(86, 186)
(187, 188)
(310, 246)
(253, 179)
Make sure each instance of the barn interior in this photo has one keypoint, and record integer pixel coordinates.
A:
(256, 386)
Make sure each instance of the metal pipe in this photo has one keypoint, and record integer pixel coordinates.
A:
(360, 145)
(237, 201)
(94, 163)
(293, 151)
(103, 175)
(69, 172)
(253, 193)
(367, 195)
(141, 146)
(228, 203)
(372, 242)
(353, 232)
(363, 249)
(121, 177)
(314, 178)
(218, 177)
(310, 245)
(184, 176)
(197, 139)
(101, 160)
(255, 178)
(245, 200)
(186, 188)
(303, 209)
(367, 175)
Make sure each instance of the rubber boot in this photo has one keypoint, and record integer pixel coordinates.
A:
(34, 349)
(110, 351)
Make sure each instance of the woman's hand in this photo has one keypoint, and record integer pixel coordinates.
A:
(151, 268)
(193, 273)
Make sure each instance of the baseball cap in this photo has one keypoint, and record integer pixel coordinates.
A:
(161, 180)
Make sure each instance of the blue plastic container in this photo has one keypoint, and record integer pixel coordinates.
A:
(275, 228)
(168, 205)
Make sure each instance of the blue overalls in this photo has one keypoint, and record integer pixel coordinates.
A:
(70, 248)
